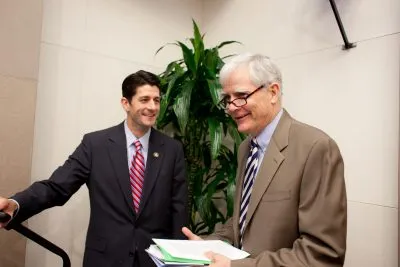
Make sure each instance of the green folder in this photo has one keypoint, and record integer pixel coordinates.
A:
(169, 258)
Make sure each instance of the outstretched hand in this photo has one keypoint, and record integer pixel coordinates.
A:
(7, 206)
(189, 234)
(217, 260)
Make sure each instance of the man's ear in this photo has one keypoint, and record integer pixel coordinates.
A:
(275, 90)
(125, 104)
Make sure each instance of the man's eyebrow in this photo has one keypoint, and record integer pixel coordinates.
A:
(241, 90)
(148, 96)
(237, 91)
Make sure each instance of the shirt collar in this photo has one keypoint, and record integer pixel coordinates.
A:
(264, 137)
(131, 138)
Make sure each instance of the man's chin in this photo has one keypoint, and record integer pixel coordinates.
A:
(149, 124)
(243, 129)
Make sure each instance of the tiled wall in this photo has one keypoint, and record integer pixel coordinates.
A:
(352, 95)
(20, 31)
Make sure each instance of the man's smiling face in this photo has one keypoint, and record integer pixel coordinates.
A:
(259, 111)
(143, 109)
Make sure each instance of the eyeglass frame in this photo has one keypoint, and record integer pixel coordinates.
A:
(225, 103)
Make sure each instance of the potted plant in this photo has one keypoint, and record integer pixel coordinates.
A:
(190, 110)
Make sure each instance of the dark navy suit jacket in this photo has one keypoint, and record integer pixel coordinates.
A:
(117, 235)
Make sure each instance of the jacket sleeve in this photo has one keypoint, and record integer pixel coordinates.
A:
(223, 232)
(58, 189)
(322, 215)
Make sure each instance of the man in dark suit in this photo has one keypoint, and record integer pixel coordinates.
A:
(290, 204)
(136, 181)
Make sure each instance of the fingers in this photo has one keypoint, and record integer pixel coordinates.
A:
(218, 259)
(210, 255)
(6, 206)
(214, 257)
(3, 203)
(189, 234)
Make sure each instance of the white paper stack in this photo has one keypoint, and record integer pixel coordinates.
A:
(190, 253)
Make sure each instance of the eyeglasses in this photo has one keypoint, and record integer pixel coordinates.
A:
(240, 101)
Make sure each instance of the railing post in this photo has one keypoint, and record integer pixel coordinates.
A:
(347, 45)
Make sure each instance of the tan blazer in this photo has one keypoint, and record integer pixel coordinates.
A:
(297, 213)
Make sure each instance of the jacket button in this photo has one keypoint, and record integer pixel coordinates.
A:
(131, 254)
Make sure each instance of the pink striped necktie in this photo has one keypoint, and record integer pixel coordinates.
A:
(136, 173)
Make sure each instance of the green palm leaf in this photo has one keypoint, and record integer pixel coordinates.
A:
(215, 129)
(182, 105)
(190, 104)
(188, 57)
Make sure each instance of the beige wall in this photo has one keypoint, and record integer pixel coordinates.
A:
(20, 30)
(88, 46)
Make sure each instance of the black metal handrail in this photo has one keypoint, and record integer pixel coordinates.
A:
(347, 44)
(37, 239)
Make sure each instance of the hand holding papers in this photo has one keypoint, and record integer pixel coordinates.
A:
(188, 252)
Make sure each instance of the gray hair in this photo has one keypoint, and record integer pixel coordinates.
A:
(261, 69)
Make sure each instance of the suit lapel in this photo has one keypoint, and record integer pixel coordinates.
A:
(155, 156)
(119, 160)
(270, 164)
(273, 158)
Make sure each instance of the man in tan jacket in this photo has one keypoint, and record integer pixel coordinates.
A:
(290, 204)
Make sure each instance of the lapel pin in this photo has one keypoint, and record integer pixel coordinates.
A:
(155, 154)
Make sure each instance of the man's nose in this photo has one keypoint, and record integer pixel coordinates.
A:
(230, 108)
(152, 104)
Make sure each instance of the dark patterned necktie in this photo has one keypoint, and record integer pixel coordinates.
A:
(249, 177)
